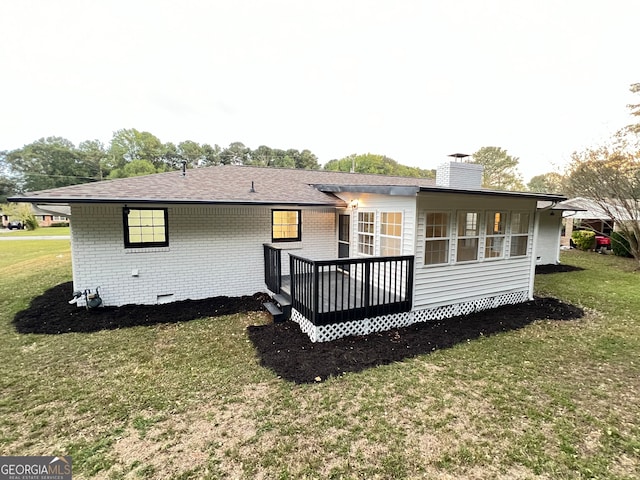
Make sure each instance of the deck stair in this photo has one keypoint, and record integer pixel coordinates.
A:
(279, 307)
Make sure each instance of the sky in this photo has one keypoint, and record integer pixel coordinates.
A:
(412, 80)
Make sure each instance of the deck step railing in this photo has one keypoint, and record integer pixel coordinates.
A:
(333, 291)
(273, 268)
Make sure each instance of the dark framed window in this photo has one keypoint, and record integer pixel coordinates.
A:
(145, 227)
(286, 225)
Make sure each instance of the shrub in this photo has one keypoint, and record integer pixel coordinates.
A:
(59, 224)
(584, 239)
(30, 222)
(620, 245)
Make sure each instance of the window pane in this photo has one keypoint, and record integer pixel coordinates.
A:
(389, 246)
(494, 247)
(145, 227)
(520, 223)
(286, 225)
(519, 246)
(437, 224)
(467, 249)
(436, 251)
(366, 226)
(467, 224)
(365, 244)
(496, 223)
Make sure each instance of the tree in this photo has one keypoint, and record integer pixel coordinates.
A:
(379, 164)
(130, 144)
(94, 153)
(192, 153)
(236, 154)
(500, 169)
(8, 184)
(49, 163)
(135, 168)
(635, 108)
(610, 176)
(551, 182)
(307, 160)
(262, 156)
(211, 155)
(7, 188)
(22, 212)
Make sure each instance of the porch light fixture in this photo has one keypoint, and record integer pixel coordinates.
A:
(353, 204)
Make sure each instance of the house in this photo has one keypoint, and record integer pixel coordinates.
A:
(45, 218)
(342, 253)
(51, 216)
(551, 229)
(585, 214)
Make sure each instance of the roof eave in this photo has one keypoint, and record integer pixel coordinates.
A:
(402, 190)
(93, 200)
(498, 193)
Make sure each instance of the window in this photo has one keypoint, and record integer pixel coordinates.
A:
(145, 227)
(285, 226)
(366, 224)
(519, 233)
(436, 248)
(390, 234)
(494, 240)
(468, 236)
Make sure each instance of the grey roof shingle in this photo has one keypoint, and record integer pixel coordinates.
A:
(220, 184)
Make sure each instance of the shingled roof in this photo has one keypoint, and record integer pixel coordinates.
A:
(231, 184)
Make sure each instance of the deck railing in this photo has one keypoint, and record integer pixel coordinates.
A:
(272, 268)
(333, 291)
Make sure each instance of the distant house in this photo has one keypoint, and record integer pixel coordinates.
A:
(585, 214)
(45, 217)
(342, 253)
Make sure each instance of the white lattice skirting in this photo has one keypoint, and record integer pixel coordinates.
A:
(327, 333)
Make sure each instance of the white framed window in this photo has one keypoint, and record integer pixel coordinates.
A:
(496, 230)
(366, 232)
(438, 236)
(519, 233)
(468, 236)
(390, 234)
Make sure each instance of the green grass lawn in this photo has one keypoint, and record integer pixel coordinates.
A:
(44, 231)
(189, 400)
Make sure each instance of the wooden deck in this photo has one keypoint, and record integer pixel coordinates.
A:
(340, 294)
(343, 289)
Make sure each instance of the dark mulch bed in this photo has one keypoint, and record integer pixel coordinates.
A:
(544, 269)
(51, 313)
(283, 348)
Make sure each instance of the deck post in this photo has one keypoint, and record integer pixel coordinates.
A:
(367, 286)
(316, 291)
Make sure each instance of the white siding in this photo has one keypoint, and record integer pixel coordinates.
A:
(548, 246)
(212, 251)
(464, 282)
(378, 204)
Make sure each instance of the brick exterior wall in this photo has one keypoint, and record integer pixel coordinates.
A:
(459, 175)
(212, 251)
